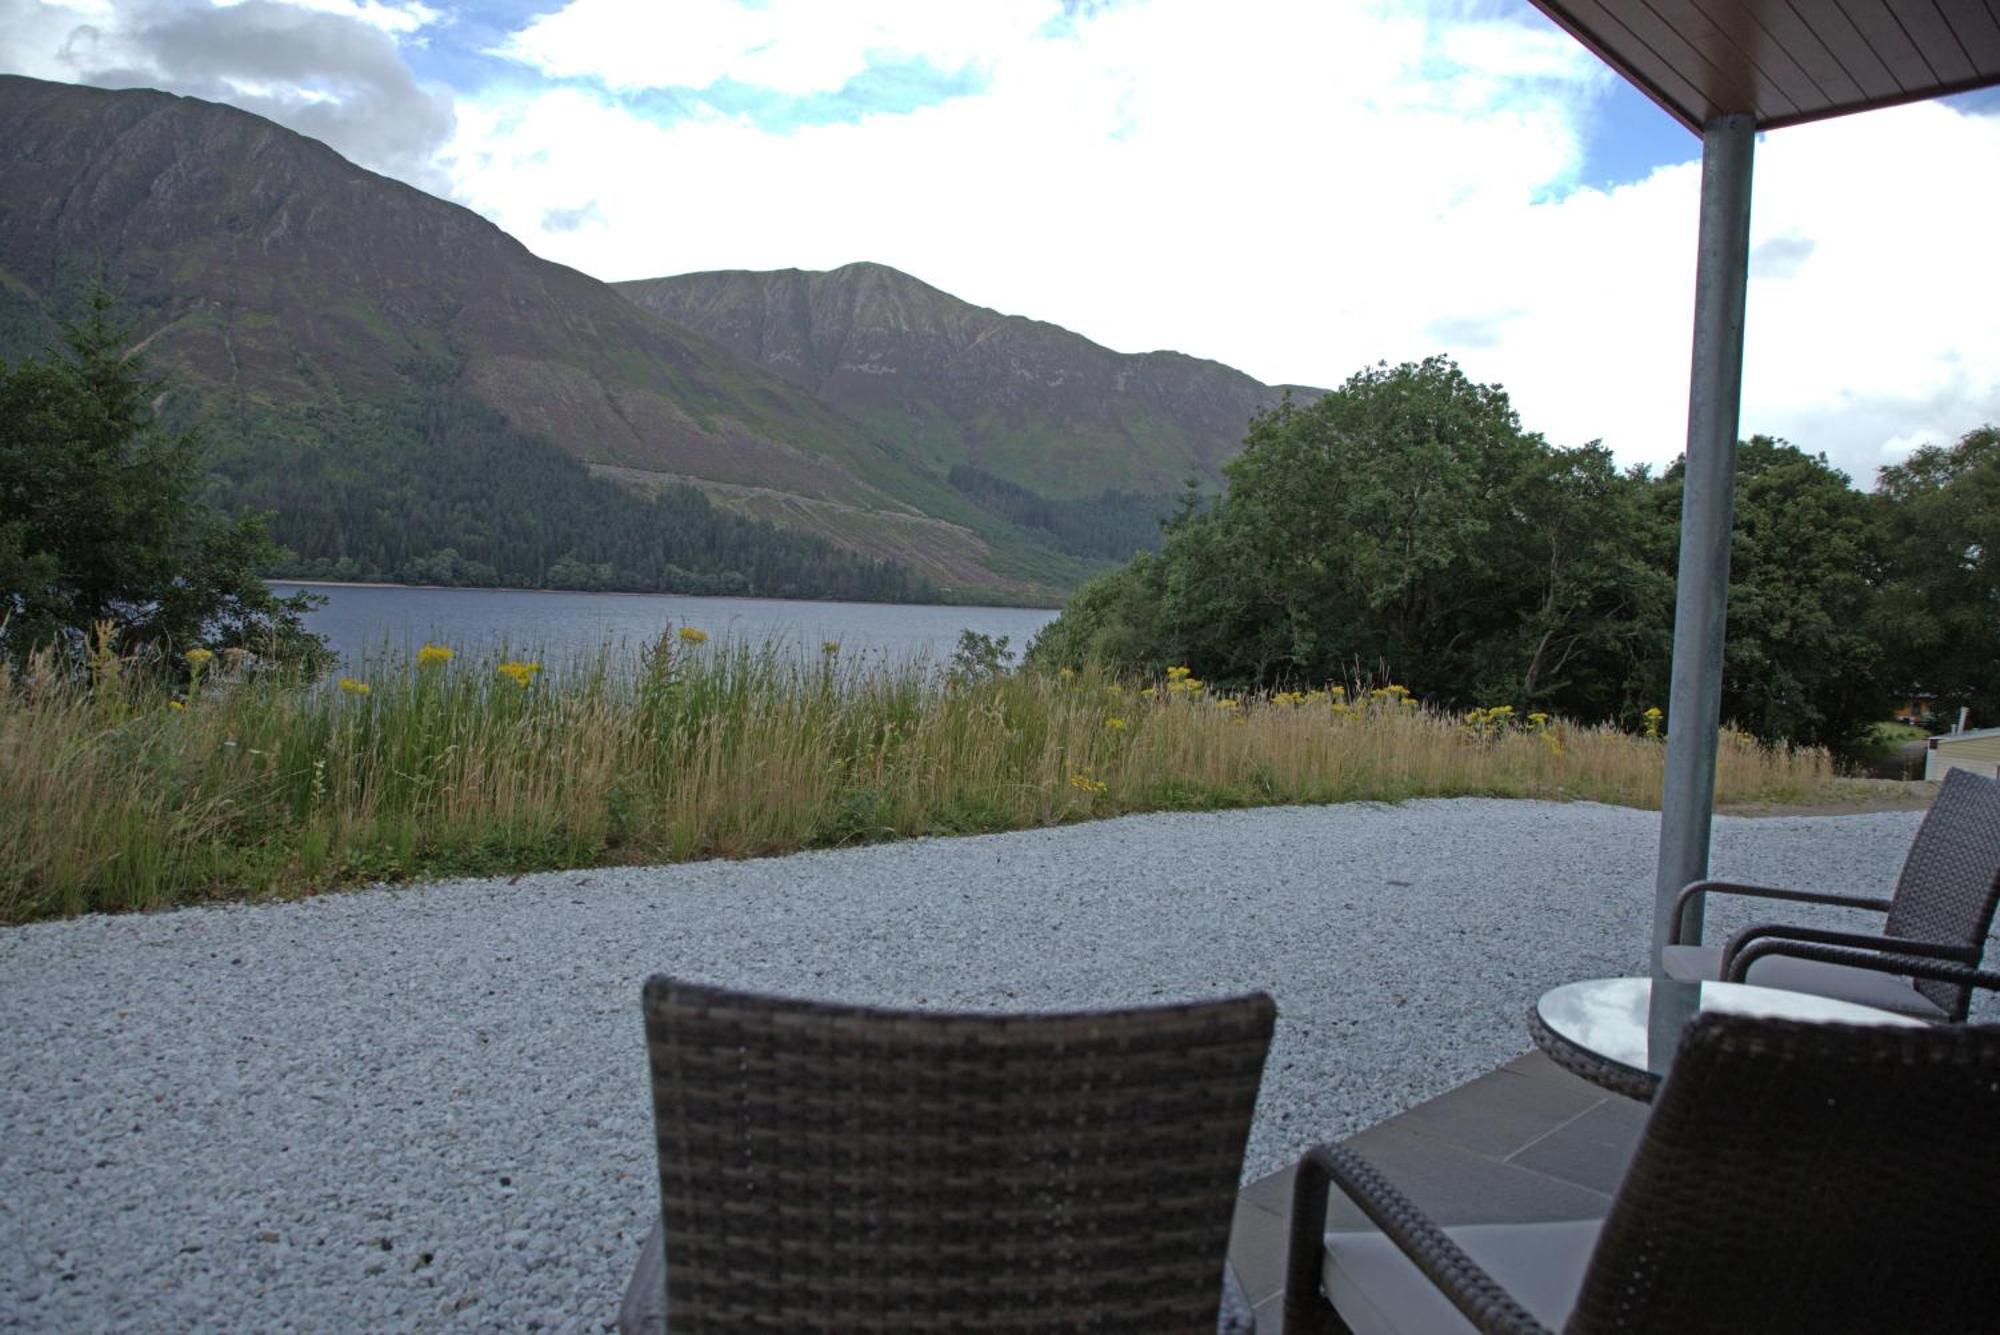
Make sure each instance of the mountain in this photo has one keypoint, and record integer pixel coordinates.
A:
(307, 303)
(413, 395)
(964, 387)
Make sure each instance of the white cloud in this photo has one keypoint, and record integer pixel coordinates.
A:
(1293, 187)
(1300, 189)
(787, 46)
(399, 18)
(331, 69)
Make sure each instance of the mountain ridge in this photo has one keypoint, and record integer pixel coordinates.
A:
(274, 278)
(340, 332)
(948, 378)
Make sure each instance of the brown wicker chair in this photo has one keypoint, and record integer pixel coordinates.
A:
(1941, 912)
(1792, 1177)
(837, 1168)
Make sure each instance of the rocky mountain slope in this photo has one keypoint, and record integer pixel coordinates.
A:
(961, 385)
(354, 345)
(284, 284)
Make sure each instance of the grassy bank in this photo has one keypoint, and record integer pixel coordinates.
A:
(119, 790)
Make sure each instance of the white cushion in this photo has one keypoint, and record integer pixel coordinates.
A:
(1843, 982)
(1379, 1291)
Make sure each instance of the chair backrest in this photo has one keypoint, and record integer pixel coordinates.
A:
(1951, 879)
(844, 1168)
(1809, 1177)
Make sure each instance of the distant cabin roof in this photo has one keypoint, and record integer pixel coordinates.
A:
(1971, 734)
(1787, 61)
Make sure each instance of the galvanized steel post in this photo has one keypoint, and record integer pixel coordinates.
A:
(1715, 389)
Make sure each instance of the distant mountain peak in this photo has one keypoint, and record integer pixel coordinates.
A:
(1027, 401)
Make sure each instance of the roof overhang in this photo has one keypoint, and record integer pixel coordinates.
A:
(1787, 61)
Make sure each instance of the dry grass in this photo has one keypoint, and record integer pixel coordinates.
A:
(115, 793)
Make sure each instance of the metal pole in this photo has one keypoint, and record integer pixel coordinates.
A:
(1715, 388)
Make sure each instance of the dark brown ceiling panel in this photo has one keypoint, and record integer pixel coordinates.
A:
(1736, 52)
(1788, 61)
(1831, 24)
(1977, 28)
(1933, 35)
(1773, 61)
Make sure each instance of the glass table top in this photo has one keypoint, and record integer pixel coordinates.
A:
(1637, 1022)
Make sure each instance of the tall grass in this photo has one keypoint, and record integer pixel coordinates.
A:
(120, 789)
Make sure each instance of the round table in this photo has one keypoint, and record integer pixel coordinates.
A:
(1621, 1033)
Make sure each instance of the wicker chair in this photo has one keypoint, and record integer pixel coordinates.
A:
(1941, 912)
(1792, 1177)
(836, 1168)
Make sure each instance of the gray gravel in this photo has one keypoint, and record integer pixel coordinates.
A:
(426, 1107)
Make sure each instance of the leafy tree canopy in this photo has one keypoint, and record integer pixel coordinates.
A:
(1403, 525)
(1406, 527)
(1938, 619)
(102, 519)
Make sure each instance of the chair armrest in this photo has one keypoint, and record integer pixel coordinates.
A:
(1942, 971)
(1471, 1290)
(1769, 892)
(1894, 945)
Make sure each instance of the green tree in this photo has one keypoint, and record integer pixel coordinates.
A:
(1403, 525)
(1799, 663)
(1938, 619)
(101, 516)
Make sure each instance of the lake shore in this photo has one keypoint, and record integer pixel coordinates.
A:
(640, 593)
(143, 790)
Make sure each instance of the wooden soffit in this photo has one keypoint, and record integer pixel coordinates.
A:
(1787, 61)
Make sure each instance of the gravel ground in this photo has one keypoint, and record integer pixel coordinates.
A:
(426, 1107)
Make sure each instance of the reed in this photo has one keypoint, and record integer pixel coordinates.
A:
(124, 789)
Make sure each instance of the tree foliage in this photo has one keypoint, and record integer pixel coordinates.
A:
(102, 517)
(1406, 527)
(433, 488)
(1938, 619)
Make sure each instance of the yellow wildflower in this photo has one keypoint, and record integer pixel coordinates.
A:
(521, 674)
(198, 658)
(693, 635)
(1065, 673)
(1148, 692)
(1083, 783)
(432, 654)
(175, 705)
(1115, 724)
(353, 686)
(1228, 704)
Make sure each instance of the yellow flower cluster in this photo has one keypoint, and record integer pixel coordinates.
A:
(1650, 720)
(693, 635)
(353, 686)
(1083, 783)
(1182, 681)
(521, 674)
(433, 654)
(1490, 722)
(1115, 724)
(198, 658)
(1335, 696)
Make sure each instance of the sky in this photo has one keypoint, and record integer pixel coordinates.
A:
(1298, 188)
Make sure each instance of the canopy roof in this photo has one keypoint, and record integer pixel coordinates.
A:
(1787, 61)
